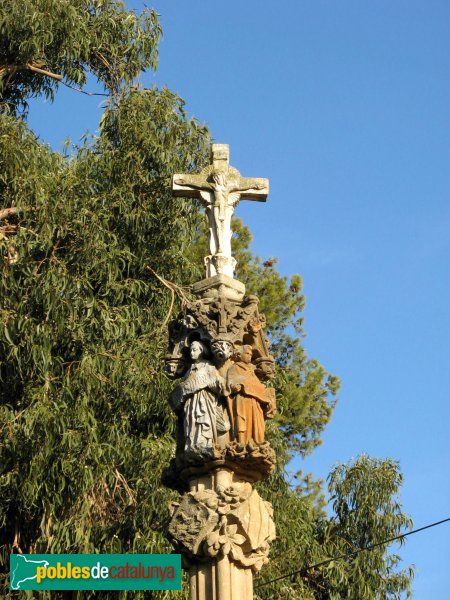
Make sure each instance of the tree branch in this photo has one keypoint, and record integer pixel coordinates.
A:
(6, 212)
(11, 69)
(9, 228)
(56, 76)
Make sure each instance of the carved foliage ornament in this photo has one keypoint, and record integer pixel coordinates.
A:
(234, 522)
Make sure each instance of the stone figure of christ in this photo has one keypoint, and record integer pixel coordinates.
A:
(219, 195)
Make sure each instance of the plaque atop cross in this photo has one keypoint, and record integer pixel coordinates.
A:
(220, 187)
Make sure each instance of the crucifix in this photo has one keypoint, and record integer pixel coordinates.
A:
(220, 187)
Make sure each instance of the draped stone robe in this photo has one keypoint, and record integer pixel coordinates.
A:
(247, 406)
(203, 419)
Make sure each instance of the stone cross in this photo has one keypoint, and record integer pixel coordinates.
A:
(220, 187)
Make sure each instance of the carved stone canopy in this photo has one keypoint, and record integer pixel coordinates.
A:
(218, 321)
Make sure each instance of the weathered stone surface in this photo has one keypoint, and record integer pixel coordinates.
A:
(197, 400)
(251, 461)
(193, 519)
(217, 319)
(220, 285)
(223, 400)
(220, 187)
(233, 521)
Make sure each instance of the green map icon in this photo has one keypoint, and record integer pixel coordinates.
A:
(23, 569)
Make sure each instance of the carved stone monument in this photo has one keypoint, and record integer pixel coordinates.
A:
(219, 354)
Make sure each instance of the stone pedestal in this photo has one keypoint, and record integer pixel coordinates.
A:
(220, 286)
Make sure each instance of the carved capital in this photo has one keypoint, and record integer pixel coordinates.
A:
(233, 521)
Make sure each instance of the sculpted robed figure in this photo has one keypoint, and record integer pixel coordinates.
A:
(196, 399)
(249, 402)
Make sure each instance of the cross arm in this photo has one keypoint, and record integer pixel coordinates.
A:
(189, 186)
(253, 188)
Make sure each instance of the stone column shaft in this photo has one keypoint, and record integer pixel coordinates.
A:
(220, 579)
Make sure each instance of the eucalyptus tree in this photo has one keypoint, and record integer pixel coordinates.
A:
(45, 42)
(95, 256)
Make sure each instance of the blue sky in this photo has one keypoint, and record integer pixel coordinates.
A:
(344, 106)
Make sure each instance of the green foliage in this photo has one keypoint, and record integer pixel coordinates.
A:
(366, 512)
(88, 243)
(68, 39)
(86, 429)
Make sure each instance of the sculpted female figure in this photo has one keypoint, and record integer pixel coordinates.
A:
(196, 400)
(250, 401)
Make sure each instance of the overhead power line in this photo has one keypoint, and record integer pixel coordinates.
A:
(351, 553)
